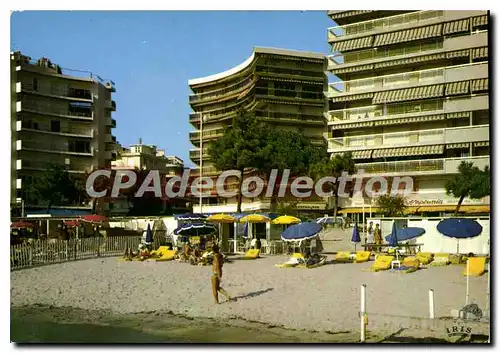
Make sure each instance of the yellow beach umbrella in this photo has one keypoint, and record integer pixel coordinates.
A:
(286, 220)
(221, 218)
(255, 218)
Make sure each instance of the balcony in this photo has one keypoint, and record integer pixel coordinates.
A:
(394, 139)
(194, 154)
(113, 123)
(52, 147)
(387, 82)
(44, 108)
(315, 97)
(110, 104)
(64, 131)
(55, 91)
(382, 23)
(419, 167)
(44, 165)
(223, 92)
(378, 111)
(207, 134)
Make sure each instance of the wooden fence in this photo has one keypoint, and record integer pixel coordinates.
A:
(50, 251)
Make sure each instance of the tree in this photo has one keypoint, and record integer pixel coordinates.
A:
(470, 182)
(391, 205)
(56, 186)
(333, 167)
(239, 146)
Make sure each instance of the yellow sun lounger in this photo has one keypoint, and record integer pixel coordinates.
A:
(424, 257)
(321, 262)
(382, 263)
(441, 259)
(168, 255)
(343, 256)
(362, 256)
(252, 254)
(411, 261)
(292, 262)
(477, 266)
(160, 251)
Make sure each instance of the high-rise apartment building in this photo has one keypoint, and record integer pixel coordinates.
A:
(411, 99)
(283, 87)
(58, 117)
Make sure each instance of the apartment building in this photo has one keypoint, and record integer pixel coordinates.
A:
(58, 117)
(285, 90)
(411, 99)
(142, 156)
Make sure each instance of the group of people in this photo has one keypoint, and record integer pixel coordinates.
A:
(374, 236)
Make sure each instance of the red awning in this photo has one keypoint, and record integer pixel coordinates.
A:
(21, 224)
(72, 223)
(95, 218)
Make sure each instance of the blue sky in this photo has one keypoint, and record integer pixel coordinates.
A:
(151, 55)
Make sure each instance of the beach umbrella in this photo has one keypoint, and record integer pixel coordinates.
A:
(222, 218)
(190, 217)
(301, 231)
(195, 229)
(393, 237)
(285, 220)
(94, 218)
(21, 224)
(459, 228)
(255, 218)
(149, 235)
(72, 223)
(408, 233)
(355, 236)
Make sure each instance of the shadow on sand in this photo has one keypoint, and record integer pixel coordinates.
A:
(253, 294)
(395, 338)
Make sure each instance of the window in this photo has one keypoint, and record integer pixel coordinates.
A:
(79, 146)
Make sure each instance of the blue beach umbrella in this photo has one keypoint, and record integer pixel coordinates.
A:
(393, 237)
(195, 229)
(459, 228)
(190, 217)
(149, 235)
(408, 233)
(301, 231)
(355, 236)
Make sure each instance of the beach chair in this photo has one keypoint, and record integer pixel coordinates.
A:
(292, 262)
(252, 254)
(424, 257)
(362, 256)
(441, 259)
(313, 262)
(160, 251)
(382, 263)
(343, 256)
(477, 266)
(167, 255)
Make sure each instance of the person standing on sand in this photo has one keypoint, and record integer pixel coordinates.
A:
(370, 239)
(378, 235)
(217, 275)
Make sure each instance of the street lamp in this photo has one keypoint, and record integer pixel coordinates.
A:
(202, 118)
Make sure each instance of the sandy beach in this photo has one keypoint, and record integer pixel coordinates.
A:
(324, 299)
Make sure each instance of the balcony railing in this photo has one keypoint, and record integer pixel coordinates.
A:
(52, 146)
(276, 116)
(221, 113)
(70, 130)
(430, 165)
(207, 134)
(43, 165)
(384, 82)
(387, 22)
(110, 105)
(195, 154)
(375, 111)
(45, 108)
(221, 92)
(288, 93)
(384, 52)
(388, 139)
(113, 123)
(58, 91)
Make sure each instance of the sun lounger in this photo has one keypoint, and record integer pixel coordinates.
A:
(160, 251)
(252, 254)
(343, 256)
(477, 266)
(382, 263)
(313, 262)
(441, 259)
(168, 255)
(362, 256)
(424, 257)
